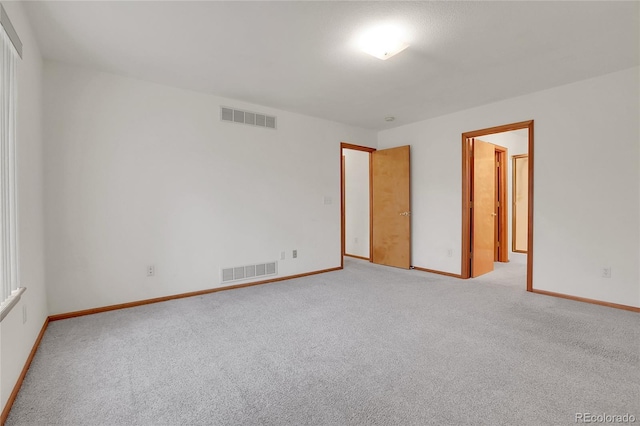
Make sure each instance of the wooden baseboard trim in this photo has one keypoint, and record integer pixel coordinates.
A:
(433, 271)
(27, 364)
(92, 311)
(585, 300)
(357, 257)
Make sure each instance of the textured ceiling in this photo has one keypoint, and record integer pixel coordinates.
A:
(301, 57)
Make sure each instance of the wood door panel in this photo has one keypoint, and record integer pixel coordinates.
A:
(520, 203)
(391, 239)
(483, 210)
(496, 223)
(343, 205)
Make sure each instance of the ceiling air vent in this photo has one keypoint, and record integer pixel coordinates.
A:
(246, 117)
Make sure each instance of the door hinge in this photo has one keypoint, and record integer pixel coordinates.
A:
(498, 243)
(497, 164)
(470, 204)
(498, 203)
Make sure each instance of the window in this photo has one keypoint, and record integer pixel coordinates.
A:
(10, 49)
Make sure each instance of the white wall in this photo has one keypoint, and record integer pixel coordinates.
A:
(516, 143)
(586, 189)
(356, 202)
(16, 338)
(138, 173)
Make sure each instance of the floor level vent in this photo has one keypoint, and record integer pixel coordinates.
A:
(250, 271)
(256, 119)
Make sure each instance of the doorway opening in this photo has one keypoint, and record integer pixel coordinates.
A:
(497, 198)
(356, 194)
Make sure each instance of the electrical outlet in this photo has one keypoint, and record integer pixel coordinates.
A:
(295, 254)
(24, 314)
(450, 253)
(282, 255)
(606, 272)
(151, 270)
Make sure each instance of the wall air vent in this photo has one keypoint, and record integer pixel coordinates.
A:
(238, 116)
(246, 117)
(250, 271)
(226, 114)
(270, 122)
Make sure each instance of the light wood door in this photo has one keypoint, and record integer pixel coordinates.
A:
(483, 208)
(520, 198)
(343, 214)
(391, 208)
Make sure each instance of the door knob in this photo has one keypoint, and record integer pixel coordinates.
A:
(493, 214)
(405, 214)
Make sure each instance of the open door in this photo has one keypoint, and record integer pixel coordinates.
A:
(391, 207)
(483, 208)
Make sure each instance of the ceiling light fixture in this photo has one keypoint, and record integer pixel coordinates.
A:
(383, 41)
(390, 118)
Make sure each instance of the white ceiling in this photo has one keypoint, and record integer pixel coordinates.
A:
(300, 56)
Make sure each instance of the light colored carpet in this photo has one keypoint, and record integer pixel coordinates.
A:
(365, 345)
